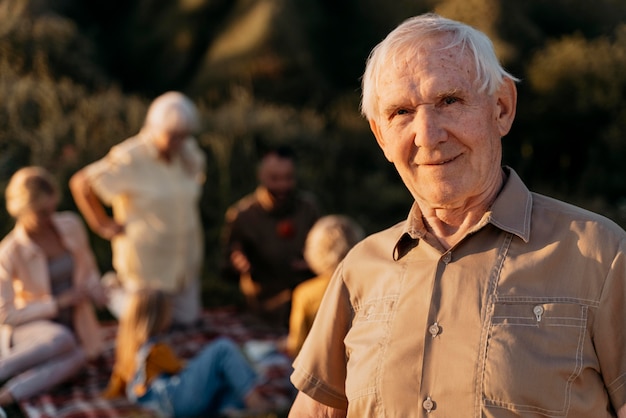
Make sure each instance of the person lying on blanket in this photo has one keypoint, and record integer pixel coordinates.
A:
(218, 380)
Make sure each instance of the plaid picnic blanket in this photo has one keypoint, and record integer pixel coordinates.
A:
(79, 398)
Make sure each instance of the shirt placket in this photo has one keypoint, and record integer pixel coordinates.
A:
(429, 402)
(435, 335)
(489, 304)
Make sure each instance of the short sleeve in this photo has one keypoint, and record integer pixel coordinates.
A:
(320, 368)
(610, 330)
(108, 177)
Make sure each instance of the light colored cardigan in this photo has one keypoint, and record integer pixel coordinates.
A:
(25, 293)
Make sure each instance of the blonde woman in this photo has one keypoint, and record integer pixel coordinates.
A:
(48, 280)
(147, 371)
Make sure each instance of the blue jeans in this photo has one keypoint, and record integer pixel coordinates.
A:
(218, 377)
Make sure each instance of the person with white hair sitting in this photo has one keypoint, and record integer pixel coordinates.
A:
(153, 182)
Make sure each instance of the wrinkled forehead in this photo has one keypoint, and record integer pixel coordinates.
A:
(449, 67)
(432, 53)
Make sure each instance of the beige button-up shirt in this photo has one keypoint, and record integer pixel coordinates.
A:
(526, 316)
(157, 202)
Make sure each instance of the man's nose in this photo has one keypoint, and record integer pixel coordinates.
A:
(427, 126)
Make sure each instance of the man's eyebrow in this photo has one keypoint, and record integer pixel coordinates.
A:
(390, 108)
(448, 93)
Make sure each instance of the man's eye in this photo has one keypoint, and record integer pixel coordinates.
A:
(450, 100)
(397, 112)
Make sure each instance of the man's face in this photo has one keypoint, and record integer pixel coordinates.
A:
(442, 135)
(278, 175)
(169, 143)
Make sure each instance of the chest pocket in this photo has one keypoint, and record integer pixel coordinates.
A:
(534, 353)
(364, 343)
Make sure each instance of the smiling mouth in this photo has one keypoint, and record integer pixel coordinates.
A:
(442, 162)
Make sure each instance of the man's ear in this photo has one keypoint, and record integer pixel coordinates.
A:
(506, 105)
(379, 137)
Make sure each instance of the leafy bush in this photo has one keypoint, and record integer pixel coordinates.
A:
(76, 78)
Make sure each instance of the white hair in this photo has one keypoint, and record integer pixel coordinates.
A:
(329, 240)
(172, 111)
(411, 34)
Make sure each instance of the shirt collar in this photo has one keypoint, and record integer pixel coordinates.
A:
(151, 148)
(512, 209)
(265, 198)
(30, 248)
(510, 212)
(22, 237)
(153, 151)
(283, 208)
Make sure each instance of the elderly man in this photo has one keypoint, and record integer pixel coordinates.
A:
(489, 300)
(153, 181)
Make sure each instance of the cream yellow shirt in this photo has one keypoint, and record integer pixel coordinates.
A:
(157, 202)
(526, 316)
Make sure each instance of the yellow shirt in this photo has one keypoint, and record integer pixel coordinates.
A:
(157, 202)
(526, 316)
(305, 303)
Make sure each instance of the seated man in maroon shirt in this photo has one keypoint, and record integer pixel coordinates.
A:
(264, 237)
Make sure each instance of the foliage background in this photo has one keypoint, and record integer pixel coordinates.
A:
(76, 77)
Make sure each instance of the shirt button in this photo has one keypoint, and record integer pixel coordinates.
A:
(434, 329)
(428, 404)
(447, 257)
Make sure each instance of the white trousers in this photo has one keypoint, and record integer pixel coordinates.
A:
(42, 355)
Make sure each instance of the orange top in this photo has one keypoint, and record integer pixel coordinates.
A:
(161, 359)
